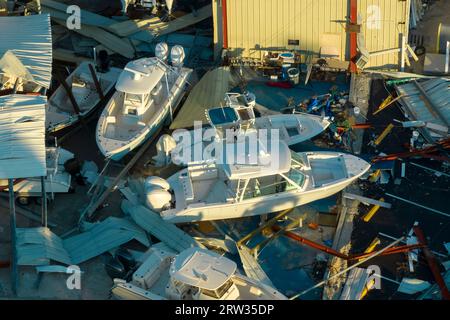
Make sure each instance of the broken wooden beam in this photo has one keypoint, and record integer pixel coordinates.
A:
(369, 215)
(386, 103)
(375, 242)
(384, 134)
(263, 226)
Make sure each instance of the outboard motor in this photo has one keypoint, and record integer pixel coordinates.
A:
(157, 195)
(177, 56)
(164, 146)
(152, 181)
(162, 51)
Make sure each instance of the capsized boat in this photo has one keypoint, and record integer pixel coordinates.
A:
(194, 274)
(238, 117)
(61, 113)
(148, 92)
(239, 187)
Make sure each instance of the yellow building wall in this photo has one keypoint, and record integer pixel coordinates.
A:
(254, 26)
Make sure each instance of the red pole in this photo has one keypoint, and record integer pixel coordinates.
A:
(353, 43)
(321, 247)
(312, 244)
(432, 263)
(224, 24)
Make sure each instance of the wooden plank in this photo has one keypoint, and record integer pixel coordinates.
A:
(366, 200)
(384, 134)
(386, 103)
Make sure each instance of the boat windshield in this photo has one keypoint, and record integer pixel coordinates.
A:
(219, 292)
(292, 180)
(295, 174)
(222, 115)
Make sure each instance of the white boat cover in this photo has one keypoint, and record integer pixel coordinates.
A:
(30, 39)
(22, 136)
(202, 268)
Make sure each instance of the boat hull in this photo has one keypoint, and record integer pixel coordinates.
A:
(231, 209)
(150, 130)
(254, 206)
(57, 119)
(118, 154)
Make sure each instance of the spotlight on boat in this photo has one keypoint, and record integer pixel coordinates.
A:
(177, 56)
(162, 51)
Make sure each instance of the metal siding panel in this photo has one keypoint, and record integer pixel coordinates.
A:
(271, 23)
(32, 45)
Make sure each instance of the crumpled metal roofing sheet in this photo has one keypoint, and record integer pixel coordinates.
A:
(438, 92)
(40, 246)
(22, 136)
(30, 39)
(151, 222)
(102, 237)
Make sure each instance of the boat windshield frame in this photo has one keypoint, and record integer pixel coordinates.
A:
(287, 181)
(220, 291)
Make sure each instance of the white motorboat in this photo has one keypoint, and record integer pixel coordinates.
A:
(194, 274)
(148, 92)
(61, 113)
(280, 179)
(238, 114)
(238, 117)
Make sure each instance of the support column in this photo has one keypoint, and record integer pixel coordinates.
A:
(12, 223)
(44, 203)
(353, 35)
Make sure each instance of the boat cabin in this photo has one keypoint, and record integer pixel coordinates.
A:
(276, 171)
(237, 112)
(209, 275)
(238, 179)
(141, 83)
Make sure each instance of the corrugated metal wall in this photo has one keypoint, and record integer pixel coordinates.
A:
(257, 25)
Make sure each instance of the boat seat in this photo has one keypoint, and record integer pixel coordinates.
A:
(110, 119)
(110, 129)
(151, 270)
(204, 174)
